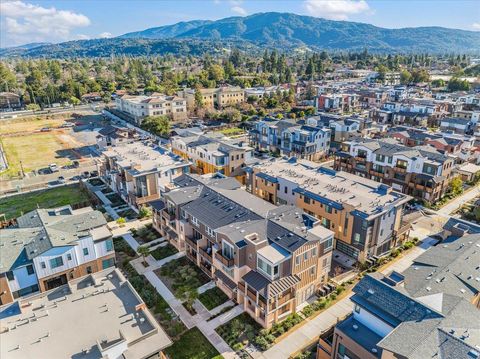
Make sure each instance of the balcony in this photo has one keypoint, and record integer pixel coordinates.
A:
(203, 252)
(168, 215)
(224, 260)
(376, 173)
(400, 169)
(241, 287)
(192, 242)
(252, 295)
(360, 159)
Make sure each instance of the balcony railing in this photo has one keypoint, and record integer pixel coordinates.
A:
(204, 253)
(191, 241)
(400, 169)
(360, 159)
(169, 216)
(224, 260)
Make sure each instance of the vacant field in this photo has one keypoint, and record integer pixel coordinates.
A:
(35, 151)
(14, 206)
(28, 125)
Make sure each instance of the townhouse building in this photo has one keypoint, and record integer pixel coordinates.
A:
(269, 259)
(115, 136)
(421, 172)
(139, 172)
(463, 126)
(338, 102)
(50, 247)
(372, 97)
(310, 140)
(261, 92)
(429, 311)
(139, 107)
(219, 98)
(457, 145)
(365, 216)
(211, 153)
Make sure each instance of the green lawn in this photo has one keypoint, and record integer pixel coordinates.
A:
(14, 206)
(192, 345)
(212, 298)
(163, 252)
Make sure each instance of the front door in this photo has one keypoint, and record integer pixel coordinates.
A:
(55, 282)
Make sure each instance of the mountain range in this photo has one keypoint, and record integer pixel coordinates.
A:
(265, 30)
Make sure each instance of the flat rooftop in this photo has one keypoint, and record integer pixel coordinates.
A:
(363, 194)
(142, 158)
(84, 318)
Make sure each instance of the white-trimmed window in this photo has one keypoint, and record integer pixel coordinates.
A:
(194, 220)
(210, 232)
(267, 268)
(227, 250)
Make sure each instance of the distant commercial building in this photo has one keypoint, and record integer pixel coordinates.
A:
(139, 172)
(50, 247)
(96, 316)
(139, 107)
(214, 97)
(421, 172)
(365, 216)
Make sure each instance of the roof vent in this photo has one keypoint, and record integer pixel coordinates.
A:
(355, 327)
(374, 350)
(371, 291)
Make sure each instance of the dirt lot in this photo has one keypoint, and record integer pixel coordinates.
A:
(23, 141)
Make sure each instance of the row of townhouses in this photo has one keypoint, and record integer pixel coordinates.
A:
(269, 259)
(366, 217)
(422, 171)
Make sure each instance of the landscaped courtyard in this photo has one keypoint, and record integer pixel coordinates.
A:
(163, 252)
(183, 278)
(145, 234)
(212, 298)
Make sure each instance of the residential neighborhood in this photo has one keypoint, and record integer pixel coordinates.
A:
(245, 180)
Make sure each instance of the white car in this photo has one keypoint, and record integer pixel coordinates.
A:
(53, 167)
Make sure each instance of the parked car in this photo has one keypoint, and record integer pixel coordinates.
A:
(53, 167)
(61, 179)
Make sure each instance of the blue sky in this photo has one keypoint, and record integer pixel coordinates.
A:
(25, 21)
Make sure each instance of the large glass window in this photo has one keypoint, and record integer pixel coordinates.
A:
(56, 262)
(109, 245)
(227, 250)
(267, 268)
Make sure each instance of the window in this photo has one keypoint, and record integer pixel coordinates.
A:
(42, 264)
(227, 250)
(314, 252)
(194, 220)
(10, 275)
(297, 260)
(306, 200)
(107, 263)
(356, 238)
(210, 232)
(56, 262)
(328, 244)
(109, 245)
(312, 271)
(85, 251)
(69, 257)
(89, 270)
(286, 190)
(305, 256)
(328, 209)
(30, 269)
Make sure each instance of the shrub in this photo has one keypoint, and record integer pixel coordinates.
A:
(121, 221)
(340, 290)
(308, 310)
(262, 343)
(395, 253)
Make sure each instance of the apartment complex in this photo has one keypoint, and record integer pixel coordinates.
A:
(211, 153)
(50, 247)
(309, 141)
(269, 259)
(421, 172)
(429, 311)
(97, 316)
(139, 107)
(365, 216)
(139, 171)
(214, 97)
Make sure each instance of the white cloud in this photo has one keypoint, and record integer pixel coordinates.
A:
(26, 22)
(105, 35)
(335, 9)
(82, 37)
(239, 10)
(476, 25)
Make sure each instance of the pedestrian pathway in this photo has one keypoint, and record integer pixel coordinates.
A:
(131, 241)
(227, 316)
(206, 287)
(221, 307)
